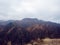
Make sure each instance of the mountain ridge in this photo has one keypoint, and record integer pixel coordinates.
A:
(28, 29)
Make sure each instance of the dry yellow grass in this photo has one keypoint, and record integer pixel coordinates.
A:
(47, 41)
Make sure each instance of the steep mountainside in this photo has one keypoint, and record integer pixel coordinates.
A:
(28, 29)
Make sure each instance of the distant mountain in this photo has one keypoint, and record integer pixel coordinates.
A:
(27, 29)
(5, 22)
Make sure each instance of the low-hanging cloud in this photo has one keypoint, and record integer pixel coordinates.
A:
(47, 10)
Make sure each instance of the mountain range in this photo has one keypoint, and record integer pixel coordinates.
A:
(27, 29)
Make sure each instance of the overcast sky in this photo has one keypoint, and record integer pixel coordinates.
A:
(48, 10)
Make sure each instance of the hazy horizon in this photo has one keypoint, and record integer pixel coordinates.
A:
(47, 10)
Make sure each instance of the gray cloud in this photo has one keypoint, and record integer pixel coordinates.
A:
(48, 10)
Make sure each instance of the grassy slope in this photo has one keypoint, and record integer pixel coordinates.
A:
(47, 42)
